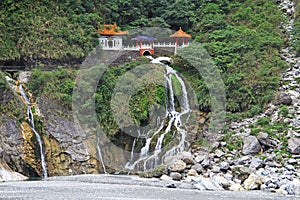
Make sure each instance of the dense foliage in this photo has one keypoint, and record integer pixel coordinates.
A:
(57, 84)
(243, 37)
(47, 30)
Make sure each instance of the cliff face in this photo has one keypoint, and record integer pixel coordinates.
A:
(71, 150)
(67, 148)
(12, 140)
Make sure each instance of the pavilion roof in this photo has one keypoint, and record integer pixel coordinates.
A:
(180, 33)
(111, 29)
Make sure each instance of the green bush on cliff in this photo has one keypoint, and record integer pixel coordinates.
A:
(57, 84)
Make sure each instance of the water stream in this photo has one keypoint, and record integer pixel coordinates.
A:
(173, 117)
(101, 158)
(38, 137)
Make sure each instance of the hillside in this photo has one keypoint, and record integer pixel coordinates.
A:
(243, 37)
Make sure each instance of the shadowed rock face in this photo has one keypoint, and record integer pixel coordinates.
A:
(71, 150)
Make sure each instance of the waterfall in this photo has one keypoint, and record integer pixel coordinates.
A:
(101, 158)
(173, 117)
(38, 138)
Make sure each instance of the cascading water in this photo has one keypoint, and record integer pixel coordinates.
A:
(101, 158)
(38, 138)
(148, 160)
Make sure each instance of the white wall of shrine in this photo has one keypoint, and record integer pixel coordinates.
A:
(111, 42)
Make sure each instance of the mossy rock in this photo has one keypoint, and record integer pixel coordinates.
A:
(157, 172)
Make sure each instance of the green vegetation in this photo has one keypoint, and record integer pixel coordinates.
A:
(233, 142)
(275, 130)
(8, 101)
(33, 31)
(143, 99)
(57, 84)
(243, 38)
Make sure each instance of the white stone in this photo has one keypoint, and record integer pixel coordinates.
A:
(236, 187)
(165, 178)
(253, 182)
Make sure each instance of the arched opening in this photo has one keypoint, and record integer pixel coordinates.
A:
(110, 43)
(146, 53)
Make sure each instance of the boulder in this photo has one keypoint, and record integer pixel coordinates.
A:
(253, 182)
(224, 165)
(200, 158)
(177, 166)
(222, 181)
(236, 187)
(206, 163)
(187, 157)
(264, 138)
(218, 153)
(165, 178)
(283, 98)
(293, 188)
(175, 176)
(256, 163)
(294, 145)
(198, 167)
(215, 169)
(207, 184)
(192, 172)
(251, 145)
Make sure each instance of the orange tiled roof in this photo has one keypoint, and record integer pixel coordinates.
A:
(111, 29)
(180, 33)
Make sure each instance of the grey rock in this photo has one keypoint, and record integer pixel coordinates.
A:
(219, 153)
(198, 167)
(283, 98)
(294, 145)
(243, 160)
(263, 138)
(272, 164)
(6, 174)
(223, 144)
(200, 158)
(206, 163)
(186, 157)
(292, 161)
(251, 145)
(207, 184)
(293, 188)
(224, 165)
(228, 176)
(165, 178)
(215, 169)
(241, 172)
(171, 185)
(256, 163)
(290, 167)
(222, 181)
(175, 176)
